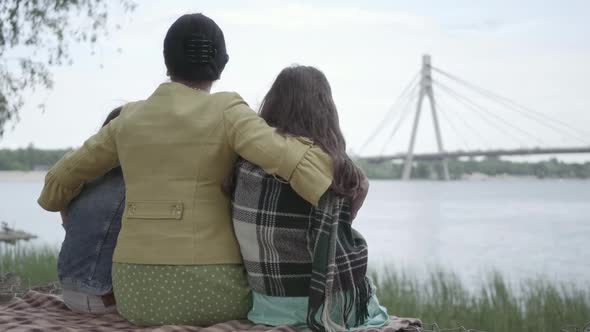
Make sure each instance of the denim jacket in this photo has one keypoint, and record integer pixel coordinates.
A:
(92, 227)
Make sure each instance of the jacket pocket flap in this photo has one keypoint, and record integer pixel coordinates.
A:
(155, 210)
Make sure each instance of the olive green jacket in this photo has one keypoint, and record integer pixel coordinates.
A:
(175, 149)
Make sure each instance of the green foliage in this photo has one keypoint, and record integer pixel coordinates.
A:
(35, 35)
(551, 168)
(34, 266)
(441, 298)
(381, 170)
(28, 159)
(31, 158)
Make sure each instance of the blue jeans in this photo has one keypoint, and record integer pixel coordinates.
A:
(93, 222)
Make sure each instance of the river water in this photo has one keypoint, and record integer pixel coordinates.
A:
(520, 228)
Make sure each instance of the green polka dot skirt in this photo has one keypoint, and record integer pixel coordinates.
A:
(198, 295)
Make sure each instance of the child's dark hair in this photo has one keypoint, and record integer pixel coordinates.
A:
(114, 113)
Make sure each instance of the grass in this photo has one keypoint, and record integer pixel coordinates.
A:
(535, 305)
(34, 265)
(440, 297)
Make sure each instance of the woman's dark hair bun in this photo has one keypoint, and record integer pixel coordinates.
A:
(194, 49)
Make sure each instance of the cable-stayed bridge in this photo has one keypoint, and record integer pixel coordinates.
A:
(423, 86)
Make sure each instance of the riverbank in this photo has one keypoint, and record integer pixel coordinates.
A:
(480, 169)
(22, 176)
(31, 158)
(535, 305)
(32, 176)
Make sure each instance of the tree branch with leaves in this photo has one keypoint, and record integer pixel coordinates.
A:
(36, 35)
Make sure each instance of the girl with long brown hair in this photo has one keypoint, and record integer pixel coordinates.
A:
(305, 263)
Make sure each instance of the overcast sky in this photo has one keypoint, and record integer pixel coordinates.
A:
(534, 52)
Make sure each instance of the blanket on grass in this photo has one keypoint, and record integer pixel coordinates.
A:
(37, 312)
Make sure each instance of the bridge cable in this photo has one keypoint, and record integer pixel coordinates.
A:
(486, 116)
(389, 115)
(454, 129)
(569, 132)
(467, 125)
(513, 105)
(477, 108)
(462, 141)
(539, 117)
(406, 110)
(406, 93)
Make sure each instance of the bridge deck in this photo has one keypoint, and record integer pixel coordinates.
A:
(485, 153)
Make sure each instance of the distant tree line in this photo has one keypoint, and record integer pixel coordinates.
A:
(31, 158)
(492, 167)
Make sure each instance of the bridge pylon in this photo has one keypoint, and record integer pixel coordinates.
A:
(425, 91)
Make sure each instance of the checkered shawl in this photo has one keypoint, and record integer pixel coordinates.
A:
(291, 248)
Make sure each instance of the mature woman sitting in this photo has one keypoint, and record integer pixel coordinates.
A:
(177, 260)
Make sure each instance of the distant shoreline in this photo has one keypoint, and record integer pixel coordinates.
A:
(21, 176)
(17, 162)
(30, 176)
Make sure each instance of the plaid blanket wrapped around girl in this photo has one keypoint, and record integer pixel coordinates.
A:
(291, 248)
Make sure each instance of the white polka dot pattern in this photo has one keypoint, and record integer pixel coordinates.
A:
(181, 294)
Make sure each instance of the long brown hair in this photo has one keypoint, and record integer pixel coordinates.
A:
(300, 103)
